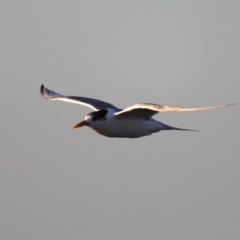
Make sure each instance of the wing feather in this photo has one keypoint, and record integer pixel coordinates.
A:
(88, 102)
(147, 110)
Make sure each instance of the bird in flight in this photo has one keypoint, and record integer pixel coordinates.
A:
(132, 122)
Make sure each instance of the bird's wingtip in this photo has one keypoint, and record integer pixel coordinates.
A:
(42, 91)
(231, 104)
(41, 88)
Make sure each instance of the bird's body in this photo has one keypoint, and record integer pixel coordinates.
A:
(133, 122)
(121, 127)
(114, 127)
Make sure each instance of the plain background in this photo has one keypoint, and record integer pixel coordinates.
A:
(57, 183)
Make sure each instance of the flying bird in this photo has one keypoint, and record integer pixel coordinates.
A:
(132, 122)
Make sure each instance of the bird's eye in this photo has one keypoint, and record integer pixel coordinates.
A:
(94, 118)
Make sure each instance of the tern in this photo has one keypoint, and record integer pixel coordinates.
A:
(132, 122)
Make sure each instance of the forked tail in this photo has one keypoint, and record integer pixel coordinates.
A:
(181, 129)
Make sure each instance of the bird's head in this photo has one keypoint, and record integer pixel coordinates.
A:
(93, 118)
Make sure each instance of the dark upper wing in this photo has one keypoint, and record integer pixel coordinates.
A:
(88, 102)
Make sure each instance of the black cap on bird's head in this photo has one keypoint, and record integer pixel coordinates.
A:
(92, 117)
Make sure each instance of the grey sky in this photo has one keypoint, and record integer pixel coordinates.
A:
(58, 183)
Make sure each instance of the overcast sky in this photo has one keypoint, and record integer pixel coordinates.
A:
(57, 183)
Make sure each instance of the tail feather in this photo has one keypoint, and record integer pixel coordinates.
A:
(181, 129)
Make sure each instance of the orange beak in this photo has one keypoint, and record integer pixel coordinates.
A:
(81, 124)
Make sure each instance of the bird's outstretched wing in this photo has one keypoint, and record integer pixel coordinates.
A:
(88, 102)
(147, 110)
